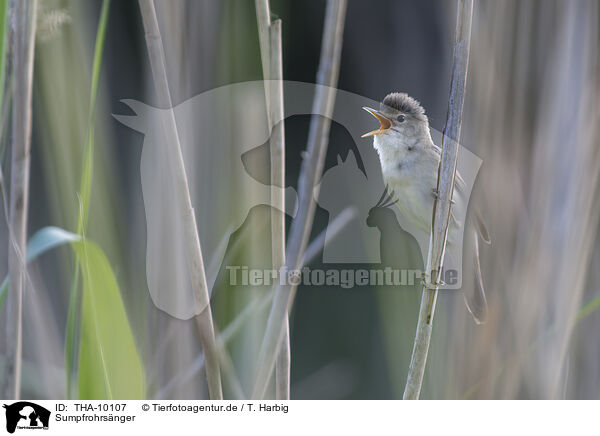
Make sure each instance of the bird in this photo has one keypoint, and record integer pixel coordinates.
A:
(409, 163)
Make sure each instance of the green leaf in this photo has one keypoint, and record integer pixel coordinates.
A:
(109, 364)
(46, 239)
(84, 198)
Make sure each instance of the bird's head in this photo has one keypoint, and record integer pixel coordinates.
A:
(401, 118)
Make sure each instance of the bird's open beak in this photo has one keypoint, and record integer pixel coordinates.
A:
(385, 123)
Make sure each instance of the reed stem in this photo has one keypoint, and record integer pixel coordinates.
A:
(24, 21)
(204, 319)
(310, 173)
(442, 204)
(269, 34)
(277, 145)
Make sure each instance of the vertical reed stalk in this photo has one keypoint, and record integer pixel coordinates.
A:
(24, 19)
(277, 145)
(204, 319)
(310, 173)
(269, 34)
(263, 20)
(441, 206)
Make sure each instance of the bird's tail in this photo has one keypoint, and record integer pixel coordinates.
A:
(475, 297)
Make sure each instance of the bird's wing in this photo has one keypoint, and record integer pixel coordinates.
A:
(474, 231)
(458, 180)
(473, 214)
(474, 297)
(480, 226)
(460, 183)
(475, 228)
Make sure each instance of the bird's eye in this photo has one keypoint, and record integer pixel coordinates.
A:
(400, 118)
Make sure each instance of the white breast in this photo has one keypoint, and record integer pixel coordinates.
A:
(413, 177)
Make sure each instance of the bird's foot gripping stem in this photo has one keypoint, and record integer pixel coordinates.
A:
(429, 284)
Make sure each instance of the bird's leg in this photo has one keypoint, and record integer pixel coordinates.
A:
(428, 283)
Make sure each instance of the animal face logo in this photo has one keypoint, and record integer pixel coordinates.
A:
(215, 130)
(26, 415)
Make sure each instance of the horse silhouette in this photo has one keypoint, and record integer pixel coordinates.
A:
(222, 191)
